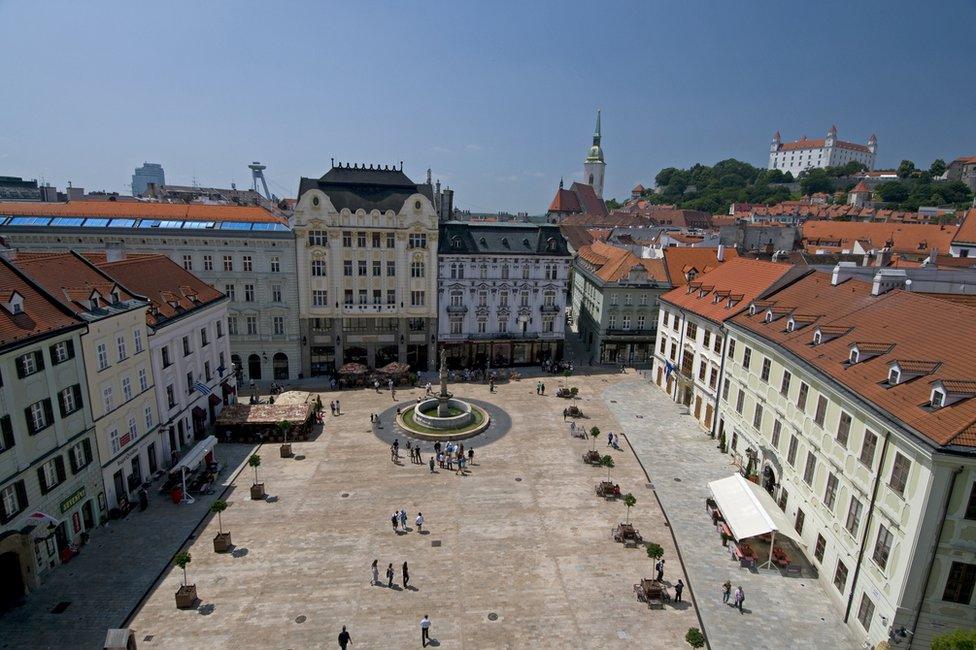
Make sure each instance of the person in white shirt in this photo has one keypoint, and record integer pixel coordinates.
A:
(419, 521)
(425, 630)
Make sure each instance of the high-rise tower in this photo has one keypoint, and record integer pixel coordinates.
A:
(593, 166)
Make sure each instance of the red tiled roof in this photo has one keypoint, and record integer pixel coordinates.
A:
(143, 210)
(901, 237)
(613, 263)
(861, 188)
(564, 201)
(170, 288)
(69, 278)
(901, 319)
(747, 277)
(588, 200)
(806, 143)
(41, 315)
(965, 160)
(967, 229)
(682, 260)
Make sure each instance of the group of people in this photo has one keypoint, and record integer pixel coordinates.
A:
(345, 638)
(613, 440)
(737, 598)
(452, 456)
(540, 388)
(390, 574)
(389, 384)
(399, 521)
(334, 405)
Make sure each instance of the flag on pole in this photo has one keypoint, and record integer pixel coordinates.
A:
(201, 387)
(668, 368)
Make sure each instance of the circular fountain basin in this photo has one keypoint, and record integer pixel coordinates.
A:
(425, 414)
(421, 420)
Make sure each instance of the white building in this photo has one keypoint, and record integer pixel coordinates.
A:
(805, 153)
(245, 252)
(594, 166)
(501, 293)
(188, 342)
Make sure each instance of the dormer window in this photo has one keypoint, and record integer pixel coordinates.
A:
(790, 325)
(817, 337)
(116, 297)
(854, 357)
(894, 376)
(551, 244)
(455, 242)
(16, 303)
(938, 398)
(752, 309)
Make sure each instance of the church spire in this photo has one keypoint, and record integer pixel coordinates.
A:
(596, 134)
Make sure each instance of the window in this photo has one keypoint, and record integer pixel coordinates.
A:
(830, 494)
(801, 398)
(275, 264)
(248, 293)
(764, 375)
(362, 296)
(318, 268)
(361, 239)
(346, 239)
(120, 345)
(757, 417)
(188, 262)
(482, 326)
(731, 348)
(137, 340)
(818, 550)
(482, 298)
(525, 272)
(228, 262)
(232, 325)
(206, 370)
(317, 238)
(361, 268)
(665, 316)
(347, 297)
(278, 324)
(663, 346)
(971, 506)
(840, 577)
(170, 396)
(418, 240)
(784, 387)
(101, 351)
(417, 298)
(347, 268)
(706, 334)
(810, 468)
(126, 389)
(746, 358)
(251, 322)
(30, 363)
(13, 501)
(523, 299)
(882, 547)
(899, 473)
(51, 474)
(186, 346)
(612, 322)
(220, 328)
(739, 401)
(865, 612)
(843, 428)
(275, 294)
(376, 240)
(143, 380)
(390, 240)
(702, 368)
(959, 585)
(784, 496)
(320, 298)
(791, 452)
(798, 522)
(821, 410)
(456, 326)
(853, 522)
(248, 263)
(149, 418)
(725, 386)
(80, 456)
(691, 331)
(502, 324)
(505, 272)
(114, 441)
(777, 428)
(62, 351)
(189, 383)
(390, 269)
(230, 291)
(208, 262)
(640, 326)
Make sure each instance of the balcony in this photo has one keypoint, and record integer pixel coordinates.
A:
(369, 309)
(617, 331)
(457, 309)
(550, 309)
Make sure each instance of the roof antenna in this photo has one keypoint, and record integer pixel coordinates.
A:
(401, 165)
(333, 163)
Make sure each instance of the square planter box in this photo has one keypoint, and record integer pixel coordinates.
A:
(186, 596)
(222, 542)
(257, 492)
(286, 450)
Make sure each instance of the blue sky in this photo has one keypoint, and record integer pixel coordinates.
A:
(498, 98)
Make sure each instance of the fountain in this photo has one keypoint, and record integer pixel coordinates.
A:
(443, 416)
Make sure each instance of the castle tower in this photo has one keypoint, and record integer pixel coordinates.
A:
(593, 166)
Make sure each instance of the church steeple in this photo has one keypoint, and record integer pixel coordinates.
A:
(594, 166)
(596, 152)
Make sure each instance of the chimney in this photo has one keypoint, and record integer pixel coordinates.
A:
(114, 252)
(720, 253)
(843, 271)
(887, 279)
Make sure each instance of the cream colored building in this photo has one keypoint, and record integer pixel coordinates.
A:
(115, 350)
(367, 270)
(859, 418)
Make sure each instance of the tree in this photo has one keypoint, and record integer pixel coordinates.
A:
(254, 461)
(595, 433)
(906, 168)
(654, 551)
(607, 461)
(938, 167)
(955, 640)
(695, 638)
(816, 180)
(219, 506)
(892, 191)
(664, 176)
(284, 427)
(630, 501)
(613, 204)
(181, 560)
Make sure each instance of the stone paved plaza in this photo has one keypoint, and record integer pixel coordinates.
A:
(779, 611)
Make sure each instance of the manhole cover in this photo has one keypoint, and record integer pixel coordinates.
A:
(148, 637)
(301, 619)
(436, 543)
(613, 401)
(60, 607)
(492, 616)
(345, 494)
(678, 480)
(518, 479)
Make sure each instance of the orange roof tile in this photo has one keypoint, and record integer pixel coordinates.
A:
(564, 201)
(41, 315)
(967, 229)
(69, 278)
(901, 237)
(144, 210)
(682, 260)
(613, 264)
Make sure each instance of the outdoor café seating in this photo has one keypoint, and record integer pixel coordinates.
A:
(652, 592)
(607, 490)
(592, 457)
(626, 533)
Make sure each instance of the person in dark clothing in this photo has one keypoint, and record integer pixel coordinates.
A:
(678, 588)
(344, 638)
(406, 575)
(389, 575)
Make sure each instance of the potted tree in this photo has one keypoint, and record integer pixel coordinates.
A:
(257, 490)
(284, 427)
(630, 501)
(607, 461)
(607, 488)
(186, 595)
(593, 456)
(655, 552)
(222, 541)
(695, 638)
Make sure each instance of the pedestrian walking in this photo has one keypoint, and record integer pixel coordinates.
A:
(403, 519)
(338, 408)
(419, 521)
(424, 630)
(678, 588)
(376, 385)
(470, 455)
(344, 638)
(406, 574)
(739, 598)
(393, 520)
(609, 438)
(390, 573)
(431, 464)
(332, 406)
(376, 572)
(660, 570)
(726, 591)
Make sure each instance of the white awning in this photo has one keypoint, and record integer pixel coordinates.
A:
(741, 508)
(195, 455)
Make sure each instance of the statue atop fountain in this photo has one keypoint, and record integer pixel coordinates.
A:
(443, 408)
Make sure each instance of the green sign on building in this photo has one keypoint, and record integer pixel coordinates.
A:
(73, 500)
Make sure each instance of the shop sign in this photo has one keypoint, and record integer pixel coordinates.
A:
(73, 500)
